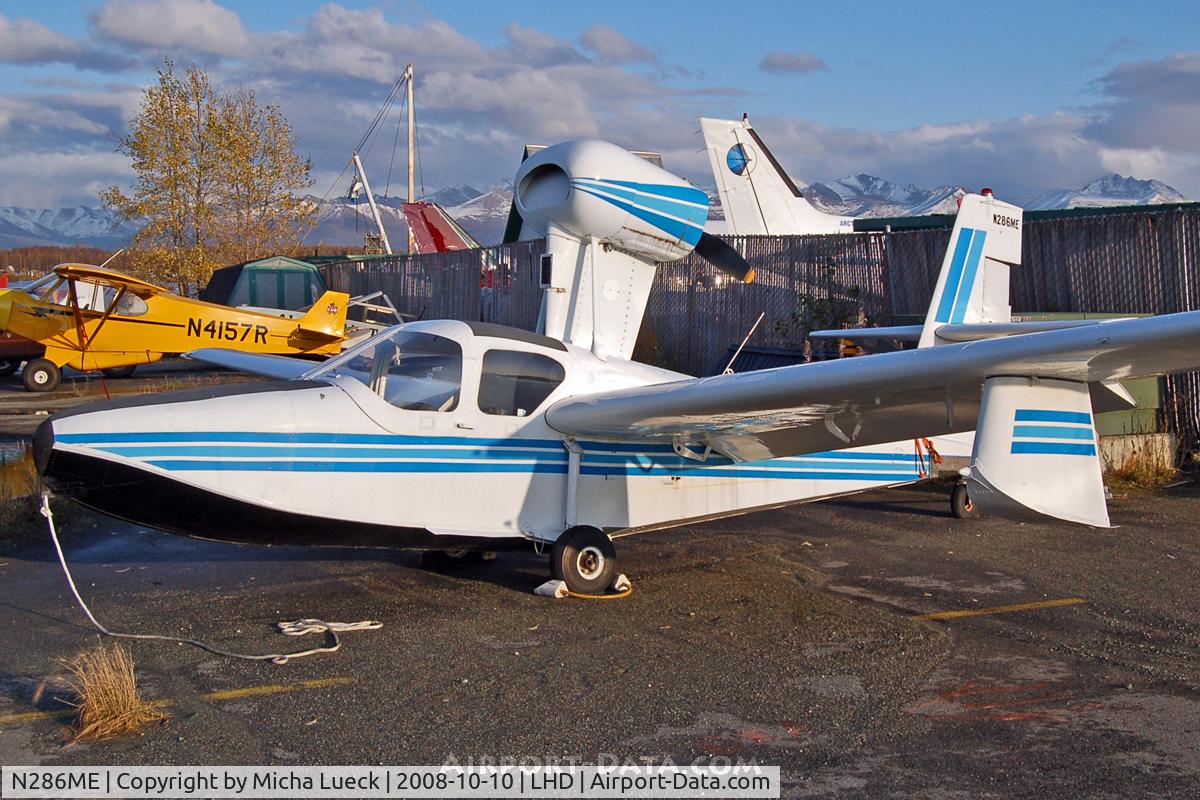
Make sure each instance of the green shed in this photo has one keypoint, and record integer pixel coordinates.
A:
(273, 282)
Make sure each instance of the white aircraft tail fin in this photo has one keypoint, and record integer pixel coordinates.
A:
(756, 192)
(1036, 450)
(972, 287)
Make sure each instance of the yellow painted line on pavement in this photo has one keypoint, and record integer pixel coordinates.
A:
(980, 612)
(276, 688)
(227, 694)
(28, 715)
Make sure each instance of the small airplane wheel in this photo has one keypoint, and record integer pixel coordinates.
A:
(8, 367)
(960, 504)
(41, 375)
(585, 559)
(119, 372)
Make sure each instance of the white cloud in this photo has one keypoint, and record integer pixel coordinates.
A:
(609, 44)
(801, 61)
(200, 26)
(25, 41)
(38, 119)
(67, 177)
(478, 103)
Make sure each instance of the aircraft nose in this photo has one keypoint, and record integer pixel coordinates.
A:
(43, 446)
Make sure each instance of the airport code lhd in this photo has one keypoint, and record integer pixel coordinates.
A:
(400, 782)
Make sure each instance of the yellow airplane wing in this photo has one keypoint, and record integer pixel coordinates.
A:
(108, 277)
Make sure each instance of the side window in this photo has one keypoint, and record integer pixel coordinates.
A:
(514, 384)
(130, 305)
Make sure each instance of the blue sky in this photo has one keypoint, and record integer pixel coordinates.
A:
(1021, 96)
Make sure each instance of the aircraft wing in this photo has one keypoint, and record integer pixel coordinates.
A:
(873, 399)
(108, 277)
(255, 363)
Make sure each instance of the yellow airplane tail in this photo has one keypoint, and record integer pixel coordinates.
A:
(327, 317)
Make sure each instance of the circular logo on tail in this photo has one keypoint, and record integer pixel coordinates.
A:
(740, 159)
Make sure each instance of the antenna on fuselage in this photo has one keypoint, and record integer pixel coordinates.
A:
(729, 367)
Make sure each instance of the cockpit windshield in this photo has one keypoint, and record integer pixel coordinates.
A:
(56, 290)
(49, 289)
(411, 370)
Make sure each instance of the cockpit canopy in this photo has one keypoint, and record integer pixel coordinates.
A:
(419, 370)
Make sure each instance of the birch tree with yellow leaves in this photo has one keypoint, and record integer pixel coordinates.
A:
(217, 180)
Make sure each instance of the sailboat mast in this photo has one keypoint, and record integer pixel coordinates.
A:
(412, 143)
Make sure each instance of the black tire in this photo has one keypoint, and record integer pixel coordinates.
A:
(447, 559)
(41, 375)
(8, 367)
(960, 504)
(119, 372)
(585, 559)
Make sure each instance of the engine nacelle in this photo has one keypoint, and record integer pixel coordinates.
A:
(588, 188)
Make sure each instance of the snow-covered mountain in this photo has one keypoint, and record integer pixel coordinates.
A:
(484, 212)
(1111, 190)
(449, 196)
(343, 222)
(93, 225)
(485, 215)
(865, 195)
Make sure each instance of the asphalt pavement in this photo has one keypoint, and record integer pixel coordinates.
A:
(1069, 666)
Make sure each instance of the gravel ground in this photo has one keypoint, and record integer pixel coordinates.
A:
(790, 637)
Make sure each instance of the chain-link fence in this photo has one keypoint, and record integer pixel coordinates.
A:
(1146, 261)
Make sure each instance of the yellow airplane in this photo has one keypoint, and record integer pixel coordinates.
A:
(92, 318)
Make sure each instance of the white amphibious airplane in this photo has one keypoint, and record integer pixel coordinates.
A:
(757, 194)
(447, 435)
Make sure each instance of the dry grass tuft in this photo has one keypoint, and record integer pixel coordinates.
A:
(109, 704)
(1140, 471)
(20, 486)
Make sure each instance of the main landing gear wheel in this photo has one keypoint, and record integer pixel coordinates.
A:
(960, 504)
(585, 559)
(119, 372)
(8, 367)
(41, 375)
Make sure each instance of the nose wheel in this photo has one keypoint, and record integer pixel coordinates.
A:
(585, 559)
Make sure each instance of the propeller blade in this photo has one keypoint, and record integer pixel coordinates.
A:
(718, 253)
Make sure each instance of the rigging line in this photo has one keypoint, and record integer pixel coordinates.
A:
(374, 133)
(387, 101)
(325, 197)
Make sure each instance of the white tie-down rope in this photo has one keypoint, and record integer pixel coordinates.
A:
(295, 628)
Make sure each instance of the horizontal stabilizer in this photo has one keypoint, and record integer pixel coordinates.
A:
(434, 230)
(1036, 450)
(254, 363)
(899, 333)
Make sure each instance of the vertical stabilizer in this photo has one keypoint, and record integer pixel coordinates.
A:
(972, 287)
(756, 192)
